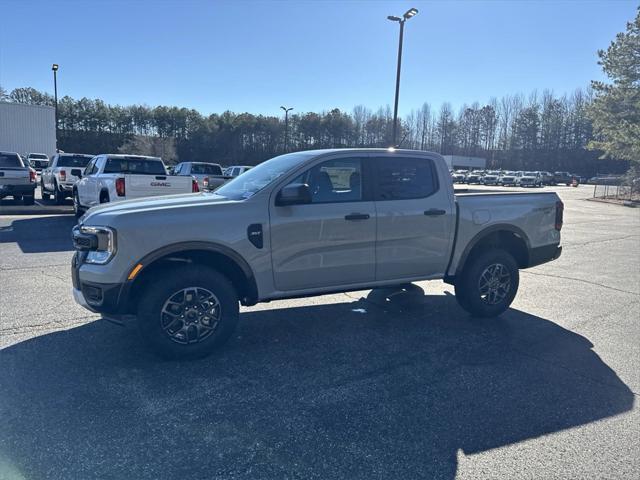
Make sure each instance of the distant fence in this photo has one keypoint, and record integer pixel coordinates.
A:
(615, 192)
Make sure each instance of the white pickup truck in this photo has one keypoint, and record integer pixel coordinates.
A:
(61, 174)
(303, 224)
(112, 178)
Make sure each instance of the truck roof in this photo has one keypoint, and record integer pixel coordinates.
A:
(129, 156)
(369, 150)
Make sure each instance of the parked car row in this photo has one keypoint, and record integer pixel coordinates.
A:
(94, 179)
(511, 178)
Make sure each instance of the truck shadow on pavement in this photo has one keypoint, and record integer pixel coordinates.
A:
(40, 234)
(387, 386)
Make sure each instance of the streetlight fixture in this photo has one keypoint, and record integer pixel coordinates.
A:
(286, 127)
(54, 68)
(412, 12)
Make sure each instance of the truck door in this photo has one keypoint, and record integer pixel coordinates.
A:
(416, 217)
(330, 241)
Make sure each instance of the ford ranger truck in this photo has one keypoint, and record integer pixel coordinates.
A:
(303, 224)
(115, 178)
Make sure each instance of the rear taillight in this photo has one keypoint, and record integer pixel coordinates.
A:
(120, 188)
(205, 182)
(194, 186)
(63, 175)
(32, 176)
(559, 215)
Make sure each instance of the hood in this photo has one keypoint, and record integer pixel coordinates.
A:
(155, 203)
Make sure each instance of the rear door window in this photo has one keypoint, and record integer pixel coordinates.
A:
(402, 178)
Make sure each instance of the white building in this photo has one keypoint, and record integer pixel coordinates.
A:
(27, 128)
(461, 162)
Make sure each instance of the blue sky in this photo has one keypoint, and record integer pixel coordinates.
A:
(313, 55)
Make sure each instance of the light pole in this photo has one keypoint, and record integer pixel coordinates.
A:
(412, 12)
(286, 127)
(54, 67)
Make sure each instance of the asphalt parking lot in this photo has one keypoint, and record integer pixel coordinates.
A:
(373, 384)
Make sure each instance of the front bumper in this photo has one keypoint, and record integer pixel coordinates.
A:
(80, 300)
(107, 298)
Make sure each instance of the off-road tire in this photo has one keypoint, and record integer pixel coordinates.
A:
(163, 287)
(468, 284)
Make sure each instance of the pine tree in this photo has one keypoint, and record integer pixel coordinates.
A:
(615, 111)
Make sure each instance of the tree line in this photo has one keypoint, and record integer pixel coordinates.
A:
(539, 131)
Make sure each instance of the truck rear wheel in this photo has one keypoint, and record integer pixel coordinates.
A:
(188, 313)
(58, 194)
(488, 284)
(45, 194)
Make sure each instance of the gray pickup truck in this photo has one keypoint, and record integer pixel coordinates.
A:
(304, 224)
(17, 180)
(208, 175)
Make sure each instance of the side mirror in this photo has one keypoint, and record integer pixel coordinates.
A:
(294, 194)
(76, 172)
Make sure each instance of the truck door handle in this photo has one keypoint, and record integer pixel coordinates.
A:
(432, 212)
(357, 216)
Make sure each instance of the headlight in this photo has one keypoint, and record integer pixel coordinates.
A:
(104, 247)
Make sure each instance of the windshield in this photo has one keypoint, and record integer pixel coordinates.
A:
(254, 180)
(40, 156)
(10, 160)
(73, 160)
(209, 169)
(531, 174)
(139, 166)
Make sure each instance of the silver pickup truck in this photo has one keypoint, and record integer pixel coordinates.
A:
(17, 179)
(304, 224)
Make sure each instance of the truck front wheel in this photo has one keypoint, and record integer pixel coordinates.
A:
(187, 312)
(488, 284)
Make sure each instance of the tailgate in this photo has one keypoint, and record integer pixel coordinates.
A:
(14, 176)
(140, 186)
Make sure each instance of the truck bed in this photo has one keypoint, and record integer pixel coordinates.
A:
(482, 209)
